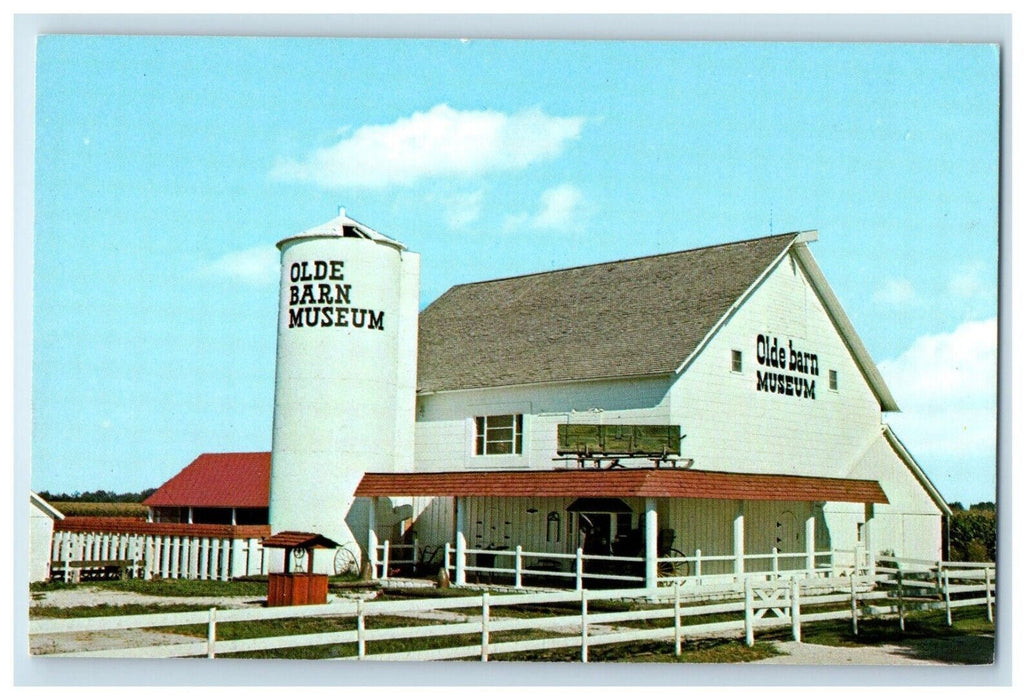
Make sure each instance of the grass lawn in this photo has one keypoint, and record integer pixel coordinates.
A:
(170, 587)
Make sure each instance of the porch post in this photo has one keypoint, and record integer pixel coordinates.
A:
(808, 536)
(739, 540)
(650, 536)
(371, 535)
(869, 521)
(460, 541)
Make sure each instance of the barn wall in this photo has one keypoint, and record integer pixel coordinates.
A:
(445, 422)
(732, 426)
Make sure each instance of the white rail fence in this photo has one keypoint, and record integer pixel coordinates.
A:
(551, 569)
(765, 604)
(75, 554)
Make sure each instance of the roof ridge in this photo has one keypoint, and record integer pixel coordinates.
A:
(621, 260)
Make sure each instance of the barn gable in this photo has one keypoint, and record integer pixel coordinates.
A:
(782, 380)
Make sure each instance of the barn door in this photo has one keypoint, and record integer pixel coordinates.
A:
(788, 537)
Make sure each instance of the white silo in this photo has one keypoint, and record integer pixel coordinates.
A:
(345, 375)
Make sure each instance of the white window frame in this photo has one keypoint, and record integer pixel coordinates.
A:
(482, 435)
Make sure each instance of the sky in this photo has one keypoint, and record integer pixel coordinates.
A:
(168, 167)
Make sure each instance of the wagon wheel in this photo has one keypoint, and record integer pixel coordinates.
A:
(668, 569)
(345, 562)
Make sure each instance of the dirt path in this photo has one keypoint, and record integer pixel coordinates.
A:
(921, 652)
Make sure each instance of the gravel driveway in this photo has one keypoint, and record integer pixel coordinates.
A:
(923, 652)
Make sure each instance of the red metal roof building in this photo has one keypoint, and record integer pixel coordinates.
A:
(229, 488)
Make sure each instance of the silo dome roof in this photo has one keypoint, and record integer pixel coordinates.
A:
(346, 227)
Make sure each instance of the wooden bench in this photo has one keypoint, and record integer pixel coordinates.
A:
(76, 570)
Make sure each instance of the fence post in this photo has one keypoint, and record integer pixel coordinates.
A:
(739, 542)
(900, 598)
(166, 548)
(360, 630)
(809, 544)
(584, 625)
(211, 633)
(677, 620)
(748, 610)
(415, 554)
(387, 560)
(448, 559)
(68, 558)
(579, 569)
(774, 563)
(485, 612)
(460, 560)
(699, 567)
(794, 596)
(202, 564)
(947, 596)
(517, 564)
(989, 602)
(853, 602)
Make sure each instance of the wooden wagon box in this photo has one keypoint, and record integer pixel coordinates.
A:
(297, 589)
(586, 439)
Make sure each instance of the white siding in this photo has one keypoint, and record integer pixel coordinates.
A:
(444, 422)
(732, 426)
(41, 532)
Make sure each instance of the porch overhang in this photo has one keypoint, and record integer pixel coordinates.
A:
(623, 483)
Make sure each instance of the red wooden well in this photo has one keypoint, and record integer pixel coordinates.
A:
(297, 587)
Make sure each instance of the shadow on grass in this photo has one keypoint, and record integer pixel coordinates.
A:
(955, 650)
(926, 636)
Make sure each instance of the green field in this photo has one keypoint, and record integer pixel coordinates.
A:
(119, 510)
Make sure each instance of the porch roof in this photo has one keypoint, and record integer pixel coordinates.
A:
(623, 483)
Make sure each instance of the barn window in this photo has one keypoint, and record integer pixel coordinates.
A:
(499, 435)
(737, 360)
(833, 380)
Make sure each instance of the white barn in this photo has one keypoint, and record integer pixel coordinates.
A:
(743, 346)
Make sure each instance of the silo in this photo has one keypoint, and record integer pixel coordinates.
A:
(345, 390)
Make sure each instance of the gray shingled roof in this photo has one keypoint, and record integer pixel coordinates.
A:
(627, 318)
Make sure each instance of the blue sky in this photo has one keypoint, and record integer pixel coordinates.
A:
(166, 169)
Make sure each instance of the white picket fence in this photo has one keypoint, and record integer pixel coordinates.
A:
(156, 556)
(764, 604)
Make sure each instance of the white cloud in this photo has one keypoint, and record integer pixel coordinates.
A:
(463, 209)
(560, 208)
(899, 292)
(441, 141)
(946, 386)
(971, 283)
(256, 266)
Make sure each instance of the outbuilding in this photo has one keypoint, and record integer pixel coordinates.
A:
(41, 531)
